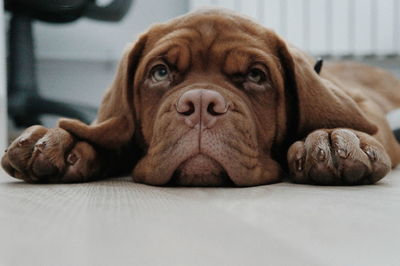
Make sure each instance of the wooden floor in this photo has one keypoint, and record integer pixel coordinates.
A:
(118, 222)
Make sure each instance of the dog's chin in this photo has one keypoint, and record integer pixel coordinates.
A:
(200, 170)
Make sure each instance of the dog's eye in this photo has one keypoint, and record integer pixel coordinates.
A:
(160, 73)
(255, 75)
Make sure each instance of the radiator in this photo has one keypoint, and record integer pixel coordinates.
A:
(326, 27)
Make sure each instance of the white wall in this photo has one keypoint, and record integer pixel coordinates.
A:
(3, 95)
(88, 39)
(327, 27)
(339, 27)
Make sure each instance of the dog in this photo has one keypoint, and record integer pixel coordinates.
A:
(214, 99)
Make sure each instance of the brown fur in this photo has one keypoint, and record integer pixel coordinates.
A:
(334, 123)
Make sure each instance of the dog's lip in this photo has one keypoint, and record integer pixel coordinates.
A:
(197, 155)
(220, 173)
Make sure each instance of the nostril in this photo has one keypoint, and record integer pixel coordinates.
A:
(190, 109)
(213, 110)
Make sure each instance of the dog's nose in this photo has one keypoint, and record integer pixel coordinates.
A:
(200, 105)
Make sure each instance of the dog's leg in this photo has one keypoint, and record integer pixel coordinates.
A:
(52, 156)
(338, 157)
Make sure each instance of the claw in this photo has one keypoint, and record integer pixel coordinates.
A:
(40, 146)
(22, 142)
(342, 153)
(371, 154)
(72, 158)
(321, 155)
(299, 164)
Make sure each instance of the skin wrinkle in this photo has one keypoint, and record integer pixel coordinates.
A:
(159, 54)
(207, 37)
(249, 164)
(245, 57)
(170, 146)
(233, 142)
(241, 151)
(246, 137)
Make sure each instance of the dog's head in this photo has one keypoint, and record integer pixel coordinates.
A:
(212, 97)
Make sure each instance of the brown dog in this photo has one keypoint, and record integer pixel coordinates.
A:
(212, 98)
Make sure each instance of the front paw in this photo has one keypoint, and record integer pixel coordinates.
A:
(48, 156)
(338, 157)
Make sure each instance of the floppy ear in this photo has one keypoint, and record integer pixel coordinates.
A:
(321, 103)
(115, 123)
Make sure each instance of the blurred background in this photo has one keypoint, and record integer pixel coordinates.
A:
(74, 58)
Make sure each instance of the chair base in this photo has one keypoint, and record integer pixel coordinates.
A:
(26, 110)
(25, 105)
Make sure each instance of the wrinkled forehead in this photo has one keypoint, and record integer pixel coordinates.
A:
(206, 39)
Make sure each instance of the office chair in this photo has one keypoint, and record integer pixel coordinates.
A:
(25, 104)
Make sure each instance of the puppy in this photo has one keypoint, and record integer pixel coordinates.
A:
(212, 98)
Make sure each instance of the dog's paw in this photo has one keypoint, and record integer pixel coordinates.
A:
(42, 155)
(338, 157)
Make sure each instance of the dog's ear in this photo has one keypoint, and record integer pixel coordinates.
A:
(115, 123)
(321, 103)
